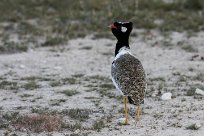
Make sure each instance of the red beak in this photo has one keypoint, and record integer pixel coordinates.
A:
(112, 26)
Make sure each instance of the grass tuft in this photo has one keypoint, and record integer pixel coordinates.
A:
(31, 85)
(78, 114)
(189, 48)
(72, 127)
(199, 77)
(69, 80)
(191, 91)
(98, 125)
(9, 85)
(70, 92)
(12, 47)
(54, 41)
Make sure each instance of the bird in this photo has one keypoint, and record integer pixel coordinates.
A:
(127, 72)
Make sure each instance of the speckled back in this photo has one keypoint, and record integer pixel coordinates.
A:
(129, 75)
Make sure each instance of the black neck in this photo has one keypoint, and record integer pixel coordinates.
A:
(121, 44)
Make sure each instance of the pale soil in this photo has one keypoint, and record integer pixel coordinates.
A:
(93, 57)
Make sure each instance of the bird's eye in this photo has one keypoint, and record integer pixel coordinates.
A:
(123, 29)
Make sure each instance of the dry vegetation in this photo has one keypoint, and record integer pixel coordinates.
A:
(50, 23)
(39, 123)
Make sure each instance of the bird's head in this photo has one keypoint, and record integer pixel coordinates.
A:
(121, 30)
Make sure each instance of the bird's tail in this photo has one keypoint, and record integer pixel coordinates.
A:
(132, 102)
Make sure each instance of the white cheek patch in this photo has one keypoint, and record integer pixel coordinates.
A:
(123, 29)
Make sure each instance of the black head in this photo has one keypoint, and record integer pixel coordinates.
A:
(122, 30)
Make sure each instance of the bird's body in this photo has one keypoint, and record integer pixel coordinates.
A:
(127, 71)
(128, 76)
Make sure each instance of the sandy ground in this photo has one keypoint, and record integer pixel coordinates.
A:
(169, 68)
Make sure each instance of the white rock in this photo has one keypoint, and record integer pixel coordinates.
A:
(166, 96)
(199, 91)
(58, 68)
(121, 121)
(77, 131)
(194, 126)
(197, 125)
(22, 66)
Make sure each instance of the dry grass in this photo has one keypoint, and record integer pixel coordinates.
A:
(56, 22)
(78, 114)
(31, 85)
(8, 85)
(98, 125)
(39, 123)
(189, 48)
(64, 81)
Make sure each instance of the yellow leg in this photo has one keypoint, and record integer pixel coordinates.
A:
(138, 113)
(125, 109)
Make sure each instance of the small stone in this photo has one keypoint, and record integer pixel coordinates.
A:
(194, 126)
(154, 95)
(166, 96)
(197, 125)
(199, 91)
(58, 68)
(77, 131)
(121, 121)
(116, 128)
(22, 66)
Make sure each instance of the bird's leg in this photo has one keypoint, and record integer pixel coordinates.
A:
(125, 109)
(138, 113)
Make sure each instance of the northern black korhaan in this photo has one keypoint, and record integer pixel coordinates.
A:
(127, 71)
